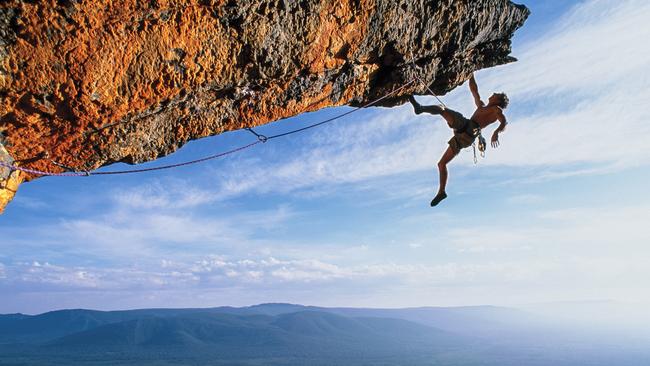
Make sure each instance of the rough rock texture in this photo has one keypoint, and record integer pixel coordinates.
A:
(89, 83)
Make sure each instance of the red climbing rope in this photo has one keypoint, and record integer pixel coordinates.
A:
(260, 139)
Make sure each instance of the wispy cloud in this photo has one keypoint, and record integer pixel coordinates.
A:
(220, 271)
(29, 202)
(179, 219)
(49, 277)
(508, 254)
(525, 199)
(568, 253)
(600, 231)
(170, 194)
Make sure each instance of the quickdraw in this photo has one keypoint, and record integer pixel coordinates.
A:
(482, 144)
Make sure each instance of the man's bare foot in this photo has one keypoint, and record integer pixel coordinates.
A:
(439, 197)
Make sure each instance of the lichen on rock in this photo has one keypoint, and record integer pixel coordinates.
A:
(89, 83)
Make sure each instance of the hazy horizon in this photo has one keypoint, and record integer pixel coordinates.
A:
(595, 316)
(514, 306)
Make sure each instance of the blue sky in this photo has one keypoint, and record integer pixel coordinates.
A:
(339, 216)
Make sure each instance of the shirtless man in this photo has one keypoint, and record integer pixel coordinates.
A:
(466, 130)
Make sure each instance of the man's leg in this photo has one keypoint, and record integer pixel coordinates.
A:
(447, 114)
(432, 109)
(442, 169)
(452, 118)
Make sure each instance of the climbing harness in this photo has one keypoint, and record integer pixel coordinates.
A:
(260, 139)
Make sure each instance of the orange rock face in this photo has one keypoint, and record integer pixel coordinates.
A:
(88, 83)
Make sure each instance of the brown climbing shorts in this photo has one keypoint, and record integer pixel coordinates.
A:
(463, 132)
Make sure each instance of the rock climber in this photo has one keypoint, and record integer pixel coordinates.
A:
(466, 130)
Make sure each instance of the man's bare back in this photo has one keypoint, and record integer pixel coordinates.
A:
(466, 130)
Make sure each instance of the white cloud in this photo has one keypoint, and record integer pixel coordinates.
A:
(558, 254)
(44, 275)
(525, 199)
(575, 233)
(252, 281)
(216, 271)
(132, 232)
(56, 275)
(30, 203)
(132, 229)
(170, 194)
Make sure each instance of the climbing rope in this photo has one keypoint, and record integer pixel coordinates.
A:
(260, 139)
(430, 91)
(425, 84)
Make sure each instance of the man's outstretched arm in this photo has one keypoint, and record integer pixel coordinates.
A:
(474, 89)
(502, 126)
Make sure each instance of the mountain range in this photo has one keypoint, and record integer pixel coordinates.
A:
(286, 334)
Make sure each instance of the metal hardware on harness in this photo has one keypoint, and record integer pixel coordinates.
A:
(482, 144)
